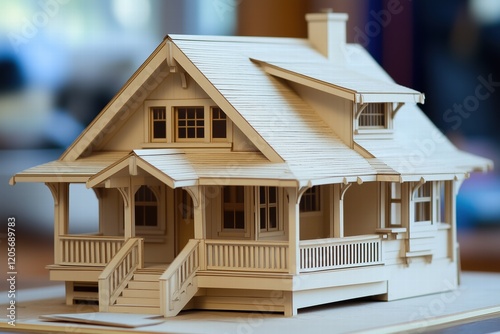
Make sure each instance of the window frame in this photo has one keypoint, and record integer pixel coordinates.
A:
(269, 232)
(153, 120)
(378, 131)
(419, 198)
(171, 139)
(392, 189)
(176, 120)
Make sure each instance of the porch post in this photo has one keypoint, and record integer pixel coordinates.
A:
(60, 193)
(129, 208)
(338, 210)
(450, 191)
(293, 230)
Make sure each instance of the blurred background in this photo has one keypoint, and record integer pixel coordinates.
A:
(61, 61)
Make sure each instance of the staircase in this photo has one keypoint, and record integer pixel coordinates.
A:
(142, 294)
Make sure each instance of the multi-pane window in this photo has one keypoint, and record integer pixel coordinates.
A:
(190, 123)
(310, 200)
(146, 207)
(219, 123)
(268, 208)
(423, 201)
(373, 116)
(394, 204)
(233, 202)
(158, 123)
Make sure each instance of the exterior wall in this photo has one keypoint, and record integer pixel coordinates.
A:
(316, 225)
(361, 209)
(110, 212)
(334, 110)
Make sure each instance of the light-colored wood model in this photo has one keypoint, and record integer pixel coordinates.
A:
(263, 174)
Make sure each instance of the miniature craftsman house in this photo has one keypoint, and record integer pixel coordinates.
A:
(266, 174)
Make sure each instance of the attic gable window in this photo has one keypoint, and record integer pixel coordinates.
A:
(186, 123)
(190, 123)
(219, 123)
(158, 123)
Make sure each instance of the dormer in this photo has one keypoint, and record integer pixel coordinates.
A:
(374, 118)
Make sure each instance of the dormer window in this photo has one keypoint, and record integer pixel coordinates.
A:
(373, 118)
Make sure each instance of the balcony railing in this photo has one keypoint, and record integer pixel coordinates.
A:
(240, 255)
(85, 250)
(334, 253)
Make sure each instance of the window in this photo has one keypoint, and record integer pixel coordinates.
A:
(146, 207)
(219, 123)
(233, 202)
(310, 200)
(268, 209)
(158, 123)
(394, 204)
(422, 199)
(374, 116)
(190, 123)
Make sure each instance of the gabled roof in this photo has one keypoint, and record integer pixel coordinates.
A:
(295, 144)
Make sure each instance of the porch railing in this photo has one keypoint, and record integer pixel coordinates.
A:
(242, 255)
(85, 250)
(178, 283)
(334, 253)
(119, 272)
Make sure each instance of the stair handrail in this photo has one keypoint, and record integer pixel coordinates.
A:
(178, 276)
(119, 271)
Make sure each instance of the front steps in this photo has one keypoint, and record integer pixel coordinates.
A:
(142, 294)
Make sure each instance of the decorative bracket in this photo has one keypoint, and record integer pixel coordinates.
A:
(302, 190)
(416, 187)
(398, 106)
(192, 191)
(343, 189)
(361, 108)
(54, 190)
(125, 195)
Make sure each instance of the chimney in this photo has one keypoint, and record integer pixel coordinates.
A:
(327, 32)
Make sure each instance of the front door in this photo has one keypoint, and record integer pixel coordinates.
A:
(184, 219)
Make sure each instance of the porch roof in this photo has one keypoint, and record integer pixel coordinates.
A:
(180, 169)
(77, 171)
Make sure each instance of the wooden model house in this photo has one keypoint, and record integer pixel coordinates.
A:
(266, 174)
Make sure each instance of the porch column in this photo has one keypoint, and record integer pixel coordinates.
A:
(339, 191)
(293, 230)
(60, 193)
(450, 191)
(127, 193)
